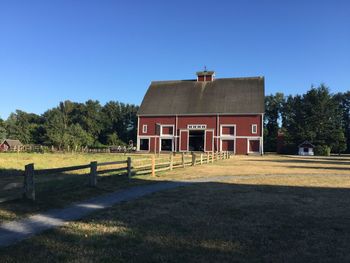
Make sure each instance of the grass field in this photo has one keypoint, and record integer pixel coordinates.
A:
(57, 190)
(252, 209)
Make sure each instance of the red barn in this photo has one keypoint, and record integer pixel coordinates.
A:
(204, 114)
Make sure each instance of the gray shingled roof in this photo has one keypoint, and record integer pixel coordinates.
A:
(12, 143)
(229, 95)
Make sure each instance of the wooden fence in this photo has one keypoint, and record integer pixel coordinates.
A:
(131, 167)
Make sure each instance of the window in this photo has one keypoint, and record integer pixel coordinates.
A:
(144, 144)
(254, 128)
(167, 130)
(228, 130)
(144, 128)
(306, 150)
(167, 145)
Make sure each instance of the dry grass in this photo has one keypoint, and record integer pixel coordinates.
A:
(17, 161)
(57, 190)
(205, 222)
(266, 165)
(256, 209)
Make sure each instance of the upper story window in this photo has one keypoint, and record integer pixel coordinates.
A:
(254, 128)
(144, 128)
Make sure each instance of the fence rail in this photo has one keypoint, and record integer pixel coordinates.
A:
(150, 166)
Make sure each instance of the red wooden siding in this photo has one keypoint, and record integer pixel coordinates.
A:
(167, 130)
(152, 122)
(209, 141)
(241, 146)
(212, 123)
(200, 78)
(243, 124)
(208, 78)
(228, 145)
(183, 141)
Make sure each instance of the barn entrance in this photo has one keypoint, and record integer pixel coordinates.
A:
(196, 140)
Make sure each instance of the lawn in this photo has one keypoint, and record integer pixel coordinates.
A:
(58, 190)
(252, 209)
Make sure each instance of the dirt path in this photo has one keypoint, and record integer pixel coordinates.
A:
(15, 231)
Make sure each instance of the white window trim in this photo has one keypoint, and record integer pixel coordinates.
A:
(256, 128)
(144, 138)
(253, 139)
(167, 125)
(196, 126)
(144, 128)
(228, 125)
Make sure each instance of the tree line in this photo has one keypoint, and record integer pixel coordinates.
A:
(318, 116)
(73, 124)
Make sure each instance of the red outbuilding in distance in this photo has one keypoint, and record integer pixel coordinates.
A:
(204, 114)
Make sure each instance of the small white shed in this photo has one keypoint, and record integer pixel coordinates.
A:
(306, 148)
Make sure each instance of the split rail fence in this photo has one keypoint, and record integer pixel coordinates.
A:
(129, 167)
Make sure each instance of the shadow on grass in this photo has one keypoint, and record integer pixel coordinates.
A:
(319, 168)
(59, 190)
(206, 222)
(306, 161)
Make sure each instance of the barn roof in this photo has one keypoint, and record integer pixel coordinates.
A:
(225, 95)
(12, 143)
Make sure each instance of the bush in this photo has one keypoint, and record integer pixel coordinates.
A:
(322, 150)
(289, 149)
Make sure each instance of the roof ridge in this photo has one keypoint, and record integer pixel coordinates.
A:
(188, 80)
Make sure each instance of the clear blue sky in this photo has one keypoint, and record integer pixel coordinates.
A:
(111, 50)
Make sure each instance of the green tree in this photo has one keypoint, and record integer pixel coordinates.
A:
(273, 111)
(343, 100)
(316, 117)
(3, 132)
(76, 136)
(26, 127)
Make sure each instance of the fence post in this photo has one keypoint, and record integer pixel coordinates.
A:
(29, 185)
(153, 166)
(93, 174)
(193, 159)
(129, 166)
(183, 159)
(201, 158)
(208, 156)
(212, 157)
(171, 162)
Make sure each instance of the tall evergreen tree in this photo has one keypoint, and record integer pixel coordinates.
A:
(273, 110)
